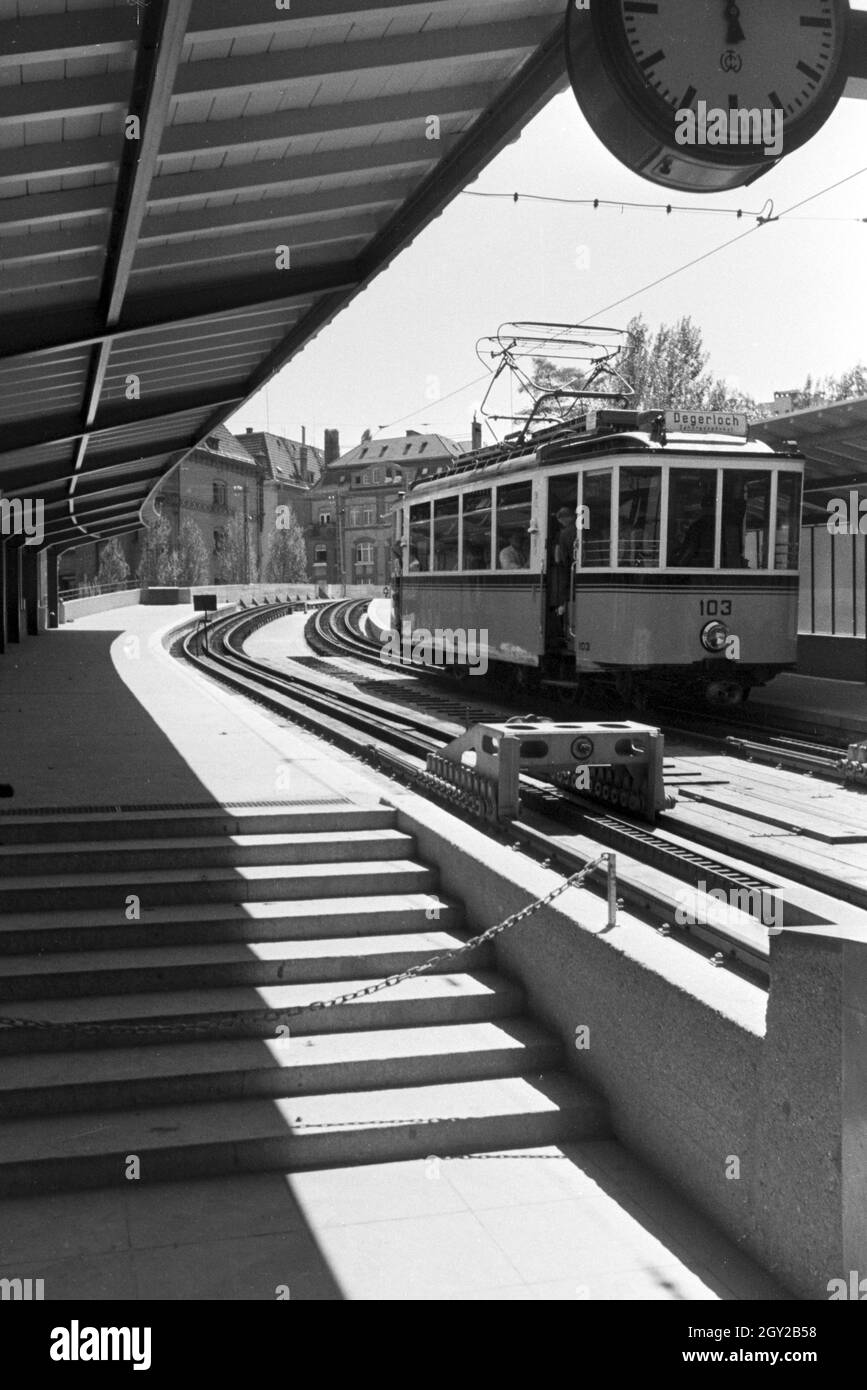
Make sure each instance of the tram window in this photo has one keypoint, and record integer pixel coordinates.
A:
(419, 536)
(595, 537)
(514, 512)
(691, 518)
(746, 504)
(477, 530)
(445, 533)
(638, 534)
(788, 532)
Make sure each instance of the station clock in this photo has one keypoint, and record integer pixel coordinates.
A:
(705, 95)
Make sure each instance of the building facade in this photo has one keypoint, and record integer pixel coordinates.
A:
(229, 487)
(351, 530)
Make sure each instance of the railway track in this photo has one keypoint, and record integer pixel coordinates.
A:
(803, 746)
(398, 740)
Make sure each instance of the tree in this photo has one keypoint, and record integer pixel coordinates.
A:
(851, 383)
(287, 557)
(235, 560)
(113, 568)
(666, 370)
(156, 566)
(193, 563)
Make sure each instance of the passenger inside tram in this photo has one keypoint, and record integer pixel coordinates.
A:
(513, 556)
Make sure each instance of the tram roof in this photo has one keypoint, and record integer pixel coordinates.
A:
(833, 440)
(140, 299)
(587, 448)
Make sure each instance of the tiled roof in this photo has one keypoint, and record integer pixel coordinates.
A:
(221, 441)
(282, 456)
(402, 449)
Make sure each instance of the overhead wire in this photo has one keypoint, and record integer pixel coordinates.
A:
(763, 219)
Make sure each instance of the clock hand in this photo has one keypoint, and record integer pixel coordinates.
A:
(733, 15)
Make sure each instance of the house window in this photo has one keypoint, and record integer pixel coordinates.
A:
(213, 441)
(218, 542)
(324, 518)
(368, 516)
(365, 479)
(364, 553)
(363, 454)
(219, 494)
(406, 448)
(320, 555)
(422, 446)
(354, 516)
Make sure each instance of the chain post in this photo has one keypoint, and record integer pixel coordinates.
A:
(611, 868)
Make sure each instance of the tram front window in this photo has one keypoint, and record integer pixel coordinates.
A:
(691, 518)
(638, 535)
(788, 521)
(595, 536)
(745, 520)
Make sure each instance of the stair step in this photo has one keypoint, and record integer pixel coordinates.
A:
(200, 923)
(241, 884)
(85, 973)
(216, 820)
(435, 999)
(294, 1132)
(131, 856)
(53, 1083)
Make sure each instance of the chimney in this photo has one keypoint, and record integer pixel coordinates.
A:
(302, 459)
(332, 446)
(249, 429)
(477, 433)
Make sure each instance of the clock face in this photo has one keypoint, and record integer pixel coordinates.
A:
(766, 54)
(658, 81)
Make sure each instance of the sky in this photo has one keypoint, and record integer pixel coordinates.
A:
(788, 300)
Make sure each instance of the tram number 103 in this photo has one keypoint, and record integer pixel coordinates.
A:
(716, 608)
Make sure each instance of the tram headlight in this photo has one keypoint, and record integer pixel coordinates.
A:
(714, 636)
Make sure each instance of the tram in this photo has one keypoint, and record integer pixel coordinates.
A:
(652, 552)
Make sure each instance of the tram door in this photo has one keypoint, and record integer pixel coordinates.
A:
(561, 532)
(591, 611)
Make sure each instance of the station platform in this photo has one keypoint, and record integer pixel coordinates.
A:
(97, 715)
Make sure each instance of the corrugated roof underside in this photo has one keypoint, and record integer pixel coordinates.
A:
(287, 143)
(832, 438)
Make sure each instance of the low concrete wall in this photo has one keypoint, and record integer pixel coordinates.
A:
(97, 603)
(764, 1131)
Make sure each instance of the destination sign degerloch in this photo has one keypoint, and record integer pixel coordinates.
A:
(705, 422)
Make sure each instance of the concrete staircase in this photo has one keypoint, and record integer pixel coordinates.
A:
(241, 914)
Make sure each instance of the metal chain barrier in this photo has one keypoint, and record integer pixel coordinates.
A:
(280, 1015)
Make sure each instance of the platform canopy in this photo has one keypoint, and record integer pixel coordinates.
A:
(140, 296)
(833, 440)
